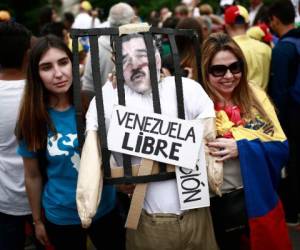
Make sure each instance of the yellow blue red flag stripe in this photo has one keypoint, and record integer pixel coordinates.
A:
(262, 156)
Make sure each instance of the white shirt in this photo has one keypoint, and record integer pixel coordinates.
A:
(13, 197)
(161, 197)
(296, 4)
(84, 21)
(253, 12)
(232, 176)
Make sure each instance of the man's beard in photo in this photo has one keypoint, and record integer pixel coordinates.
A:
(142, 85)
(137, 73)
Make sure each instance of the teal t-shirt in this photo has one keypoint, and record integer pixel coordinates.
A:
(59, 194)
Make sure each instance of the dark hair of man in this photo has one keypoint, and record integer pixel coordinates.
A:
(34, 120)
(45, 15)
(284, 10)
(69, 17)
(54, 28)
(14, 42)
(186, 46)
(170, 22)
(189, 23)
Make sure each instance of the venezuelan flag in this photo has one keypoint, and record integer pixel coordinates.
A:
(262, 156)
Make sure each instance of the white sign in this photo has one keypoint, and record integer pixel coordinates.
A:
(193, 185)
(156, 137)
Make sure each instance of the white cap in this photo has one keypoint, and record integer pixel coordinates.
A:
(226, 2)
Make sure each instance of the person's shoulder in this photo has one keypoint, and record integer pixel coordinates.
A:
(107, 87)
(13, 83)
(186, 82)
(13, 87)
(78, 18)
(260, 45)
(191, 83)
(188, 85)
(82, 21)
(290, 41)
(194, 92)
(248, 44)
(109, 93)
(293, 33)
(285, 48)
(192, 86)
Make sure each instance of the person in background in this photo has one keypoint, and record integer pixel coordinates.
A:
(262, 33)
(226, 3)
(153, 18)
(14, 205)
(193, 6)
(253, 148)
(47, 14)
(181, 11)
(207, 11)
(119, 14)
(68, 20)
(186, 47)
(84, 20)
(258, 12)
(284, 89)
(56, 28)
(206, 24)
(164, 13)
(296, 3)
(171, 23)
(257, 54)
(48, 143)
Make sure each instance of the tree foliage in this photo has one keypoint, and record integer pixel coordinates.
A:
(25, 12)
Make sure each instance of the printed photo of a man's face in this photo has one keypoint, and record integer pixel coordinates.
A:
(136, 66)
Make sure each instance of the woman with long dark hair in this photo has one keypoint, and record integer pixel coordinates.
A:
(47, 130)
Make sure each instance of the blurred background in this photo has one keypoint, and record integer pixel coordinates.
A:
(28, 12)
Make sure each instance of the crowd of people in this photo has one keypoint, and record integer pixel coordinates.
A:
(247, 85)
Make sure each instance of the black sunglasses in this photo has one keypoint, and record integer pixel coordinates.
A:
(220, 70)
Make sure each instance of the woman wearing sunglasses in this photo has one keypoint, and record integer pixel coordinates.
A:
(253, 148)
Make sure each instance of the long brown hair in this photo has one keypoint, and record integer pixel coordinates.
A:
(34, 120)
(242, 95)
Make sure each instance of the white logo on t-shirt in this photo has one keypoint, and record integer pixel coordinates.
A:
(55, 148)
